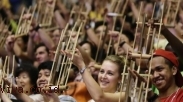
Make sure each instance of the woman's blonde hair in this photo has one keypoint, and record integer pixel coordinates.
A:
(118, 60)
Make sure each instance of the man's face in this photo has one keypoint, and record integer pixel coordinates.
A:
(41, 54)
(87, 48)
(162, 74)
(43, 77)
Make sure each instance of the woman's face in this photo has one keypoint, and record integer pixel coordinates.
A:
(20, 43)
(56, 36)
(109, 77)
(24, 81)
(87, 48)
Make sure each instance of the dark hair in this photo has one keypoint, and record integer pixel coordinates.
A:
(30, 70)
(25, 39)
(129, 35)
(99, 23)
(170, 64)
(92, 47)
(116, 28)
(40, 45)
(45, 65)
(48, 65)
(168, 47)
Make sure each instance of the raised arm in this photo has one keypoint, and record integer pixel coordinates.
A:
(87, 58)
(63, 10)
(46, 39)
(30, 45)
(134, 10)
(175, 43)
(91, 34)
(60, 20)
(4, 97)
(17, 94)
(94, 89)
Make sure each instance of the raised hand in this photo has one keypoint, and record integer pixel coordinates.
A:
(48, 95)
(137, 75)
(77, 58)
(9, 43)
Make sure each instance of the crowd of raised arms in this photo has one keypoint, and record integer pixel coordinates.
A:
(91, 50)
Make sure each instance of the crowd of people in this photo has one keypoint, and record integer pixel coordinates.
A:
(104, 50)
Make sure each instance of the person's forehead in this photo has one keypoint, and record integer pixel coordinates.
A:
(41, 48)
(23, 73)
(44, 71)
(156, 61)
(125, 37)
(86, 45)
(56, 32)
(109, 65)
(101, 27)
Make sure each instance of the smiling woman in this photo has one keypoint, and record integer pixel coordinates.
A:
(109, 78)
(25, 77)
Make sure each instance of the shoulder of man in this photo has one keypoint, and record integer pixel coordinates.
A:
(179, 97)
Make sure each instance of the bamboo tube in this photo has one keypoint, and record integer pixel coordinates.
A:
(121, 30)
(123, 77)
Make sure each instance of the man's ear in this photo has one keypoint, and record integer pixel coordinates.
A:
(174, 70)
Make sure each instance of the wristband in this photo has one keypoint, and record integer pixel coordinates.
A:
(87, 27)
(82, 70)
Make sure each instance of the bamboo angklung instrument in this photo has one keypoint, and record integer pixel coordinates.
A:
(25, 24)
(63, 63)
(170, 12)
(57, 58)
(77, 13)
(144, 49)
(119, 39)
(147, 50)
(3, 33)
(68, 45)
(12, 76)
(60, 70)
(118, 8)
(3, 72)
(110, 45)
(129, 88)
(6, 73)
(126, 77)
(115, 9)
(45, 12)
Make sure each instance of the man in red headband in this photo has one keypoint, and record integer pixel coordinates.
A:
(166, 76)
